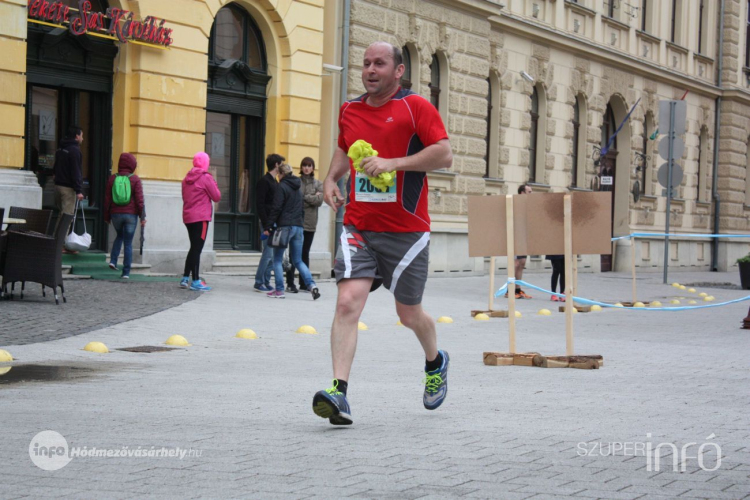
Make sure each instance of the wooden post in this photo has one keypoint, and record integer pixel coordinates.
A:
(511, 250)
(632, 265)
(568, 272)
(574, 290)
(492, 283)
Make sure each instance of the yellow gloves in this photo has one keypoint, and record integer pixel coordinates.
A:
(362, 149)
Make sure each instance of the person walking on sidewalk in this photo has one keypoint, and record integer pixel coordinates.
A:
(386, 235)
(287, 214)
(520, 261)
(265, 190)
(68, 171)
(123, 205)
(312, 193)
(558, 272)
(199, 189)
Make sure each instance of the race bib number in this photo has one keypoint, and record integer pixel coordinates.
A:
(366, 192)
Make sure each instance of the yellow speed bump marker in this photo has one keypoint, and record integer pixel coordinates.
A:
(544, 312)
(518, 314)
(5, 356)
(4, 370)
(675, 302)
(482, 317)
(691, 290)
(683, 287)
(96, 347)
(178, 340)
(445, 319)
(703, 294)
(246, 333)
(361, 326)
(596, 307)
(619, 304)
(710, 298)
(639, 304)
(676, 285)
(655, 303)
(398, 323)
(307, 329)
(693, 302)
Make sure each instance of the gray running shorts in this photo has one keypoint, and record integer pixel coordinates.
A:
(397, 260)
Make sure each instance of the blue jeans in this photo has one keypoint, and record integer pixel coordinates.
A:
(125, 225)
(296, 240)
(263, 274)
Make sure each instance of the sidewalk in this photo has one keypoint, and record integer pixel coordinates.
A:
(241, 409)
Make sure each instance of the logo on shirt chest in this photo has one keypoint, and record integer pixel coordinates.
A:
(389, 120)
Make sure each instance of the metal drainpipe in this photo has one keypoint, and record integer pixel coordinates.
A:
(717, 129)
(344, 84)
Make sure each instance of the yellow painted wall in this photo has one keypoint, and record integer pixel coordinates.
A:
(160, 95)
(12, 82)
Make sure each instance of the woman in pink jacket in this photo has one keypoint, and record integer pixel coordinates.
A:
(199, 189)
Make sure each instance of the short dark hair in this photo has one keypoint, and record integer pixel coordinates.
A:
(522, 188)
(273, 159)
(307, 160)
(73, 132)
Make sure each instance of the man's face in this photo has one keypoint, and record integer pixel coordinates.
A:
(380, 76)
(79, 138)
(527, 190)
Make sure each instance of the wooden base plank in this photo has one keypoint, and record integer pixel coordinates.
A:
(495, 313)
(581, 362)
(581, 309)
(498, 359)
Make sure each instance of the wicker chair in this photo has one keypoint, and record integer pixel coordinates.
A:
(36, 220)
(38, 258)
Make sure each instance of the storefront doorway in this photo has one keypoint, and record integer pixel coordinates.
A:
(69, 82)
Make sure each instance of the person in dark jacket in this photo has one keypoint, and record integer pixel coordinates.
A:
(312, 194)
(288, 211)
(124, 218)
(68, 173)
(265, 190)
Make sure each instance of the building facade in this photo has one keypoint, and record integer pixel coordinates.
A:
(532, 89)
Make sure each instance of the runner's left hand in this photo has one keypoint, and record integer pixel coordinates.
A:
(375, 165)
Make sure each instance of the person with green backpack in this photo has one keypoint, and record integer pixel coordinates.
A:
(123, 205)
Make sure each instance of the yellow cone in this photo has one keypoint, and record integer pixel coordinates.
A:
(398, 323)
(710, 298)
(683, 287)
(675, 302)
(691, 290)
(518, 314)
(639, 304)
(177, 340)
(692, 302)
(445, 319)
(575, 311)
(544, 312)
(481, 317)
(4, 370)
(655, 303)
(596, 308)
(5, 356)
(619, 304)
(246, 333)
(361, 326)
(676, 285)
(307, 329)
(96, 347)
(703, 294)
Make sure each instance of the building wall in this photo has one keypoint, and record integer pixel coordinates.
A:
(572, 49)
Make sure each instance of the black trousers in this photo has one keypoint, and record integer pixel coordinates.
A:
(306, 244)
(197, 232)
(558, 271)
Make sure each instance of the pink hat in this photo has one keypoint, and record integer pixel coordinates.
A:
(201, 160)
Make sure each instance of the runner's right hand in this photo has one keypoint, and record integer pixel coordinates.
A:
(332, 195)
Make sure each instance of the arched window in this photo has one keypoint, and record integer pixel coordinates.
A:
(406, 78)
(676, 23)
(580, 126)
(493, 126)
(534, 134)
(702, 194)
(649, 136)
(608, 128)
(435, 82)
(747, 174)
(488, 134)
(235, 36)
(576, 137)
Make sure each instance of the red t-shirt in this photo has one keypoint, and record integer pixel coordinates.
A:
(403, 126)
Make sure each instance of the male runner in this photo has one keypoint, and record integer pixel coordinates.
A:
(386, 234)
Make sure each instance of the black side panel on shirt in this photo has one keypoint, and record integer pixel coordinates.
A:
(413, 181)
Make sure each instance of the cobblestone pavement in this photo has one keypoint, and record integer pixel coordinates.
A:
(92, 304)
(241, 409)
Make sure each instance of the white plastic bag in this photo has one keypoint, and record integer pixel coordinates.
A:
(75, 242)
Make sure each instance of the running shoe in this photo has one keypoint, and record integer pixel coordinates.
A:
(436, 384)
(562, 299)
(185, 282)
(276, 294)
(314, 291)
(262, 288)
(520, 294)
(125, 277)
(198, 286)
(113, 266)
(555, 298)
(332, 404)
(292, 289)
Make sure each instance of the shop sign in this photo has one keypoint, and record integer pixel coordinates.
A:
(117, 24)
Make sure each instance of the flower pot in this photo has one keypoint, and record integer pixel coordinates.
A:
(745, 275)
